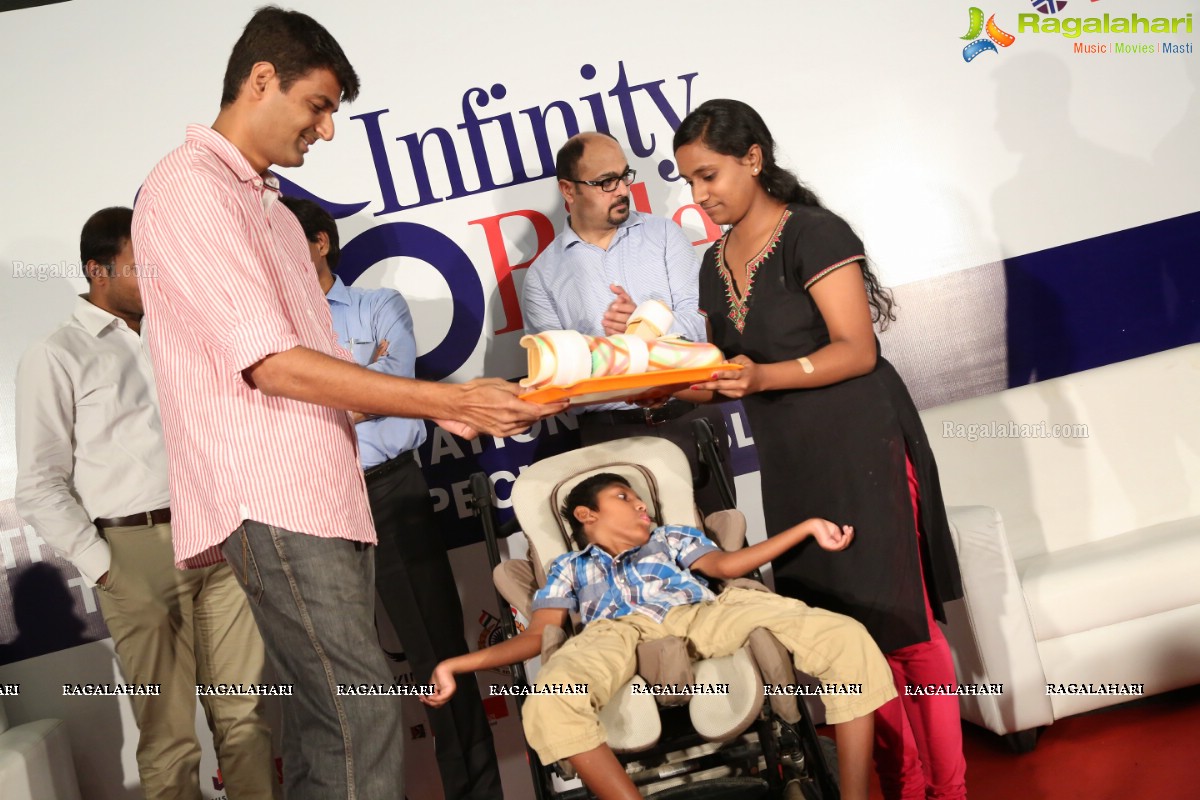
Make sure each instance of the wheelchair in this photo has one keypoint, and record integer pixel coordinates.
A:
(740, 745)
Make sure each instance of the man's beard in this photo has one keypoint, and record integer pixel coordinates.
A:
(619, 213)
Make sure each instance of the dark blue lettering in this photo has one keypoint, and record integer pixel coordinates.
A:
(664, 106)
(594, 101)
(471, 124)
(537, 119)
(509, 133)
(398, 239)
(336, 210)
(416, 156)
(624, 94)
(383, 169)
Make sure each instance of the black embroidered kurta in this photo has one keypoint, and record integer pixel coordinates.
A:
(838, 451)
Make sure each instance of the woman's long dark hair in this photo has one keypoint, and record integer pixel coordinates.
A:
(730, 127)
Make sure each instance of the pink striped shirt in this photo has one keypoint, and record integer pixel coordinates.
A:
(228, 280)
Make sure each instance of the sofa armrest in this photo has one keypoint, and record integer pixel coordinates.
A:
(35, 762)
(990, 631)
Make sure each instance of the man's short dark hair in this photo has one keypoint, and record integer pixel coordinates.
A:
(314, 220)
(104, 235)
(585, 494)
(295, 44)
(569, 154)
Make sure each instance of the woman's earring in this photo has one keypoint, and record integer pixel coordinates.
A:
(756, 170)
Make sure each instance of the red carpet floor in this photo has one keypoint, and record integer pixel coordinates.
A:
(1145, 750)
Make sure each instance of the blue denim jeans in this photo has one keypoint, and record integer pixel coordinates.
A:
(314, 602)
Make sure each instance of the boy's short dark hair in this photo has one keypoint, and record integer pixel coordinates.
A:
(103, 237)
(295, 44)
(585, 494)
(314, 219)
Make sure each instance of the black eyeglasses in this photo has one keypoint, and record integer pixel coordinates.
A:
(609, 184)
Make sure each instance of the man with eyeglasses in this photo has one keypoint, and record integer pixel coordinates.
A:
(607, 260)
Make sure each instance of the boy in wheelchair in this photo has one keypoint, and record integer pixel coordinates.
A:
(631, 582)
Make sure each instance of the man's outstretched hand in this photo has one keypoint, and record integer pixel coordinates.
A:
(493, 406)
(460, 429)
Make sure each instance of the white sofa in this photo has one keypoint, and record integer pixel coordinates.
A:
(1079, 553)
(35, 761)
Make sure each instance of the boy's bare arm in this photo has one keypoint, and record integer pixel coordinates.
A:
(723, 566)
(522, 647)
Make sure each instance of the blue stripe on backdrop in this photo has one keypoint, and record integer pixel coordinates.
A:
(1103, 300)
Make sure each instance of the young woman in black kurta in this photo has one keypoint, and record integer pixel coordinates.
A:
(836, 451)
(788, 294)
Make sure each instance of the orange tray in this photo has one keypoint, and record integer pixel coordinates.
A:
(623, 387)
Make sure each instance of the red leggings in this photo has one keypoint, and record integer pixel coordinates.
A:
(918, 739)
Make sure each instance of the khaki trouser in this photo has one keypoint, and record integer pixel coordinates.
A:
(180, 628)
(831, 647)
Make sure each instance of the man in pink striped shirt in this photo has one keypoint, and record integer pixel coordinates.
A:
(254, 392)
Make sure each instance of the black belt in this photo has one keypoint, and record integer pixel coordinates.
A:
(158, 516)
(643, 416)
(391, 465)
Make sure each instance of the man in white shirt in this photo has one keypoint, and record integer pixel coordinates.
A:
(92, 481)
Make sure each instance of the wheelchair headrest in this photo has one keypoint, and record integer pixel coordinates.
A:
(655, 468)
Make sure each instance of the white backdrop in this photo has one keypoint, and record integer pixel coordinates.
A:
(940, 164)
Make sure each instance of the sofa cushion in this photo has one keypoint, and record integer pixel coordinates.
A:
(1137, 574)
(1126, 454)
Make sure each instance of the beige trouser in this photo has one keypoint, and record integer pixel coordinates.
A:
(180, 628)
(831, 647)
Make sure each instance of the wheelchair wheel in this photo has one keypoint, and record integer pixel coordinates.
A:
(809, 790)
(717, 789)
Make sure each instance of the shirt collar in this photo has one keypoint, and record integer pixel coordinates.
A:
(570, 237)
(338, 293)
(225, 150)
(594, 551)
(93, 318)
(591, 548)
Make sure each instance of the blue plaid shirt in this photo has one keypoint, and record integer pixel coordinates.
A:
(650, 579)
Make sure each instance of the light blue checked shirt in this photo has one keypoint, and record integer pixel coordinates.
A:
(567, 287)
(650, 579)
(362, 318)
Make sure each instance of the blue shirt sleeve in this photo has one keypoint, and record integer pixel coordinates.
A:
(363, 318)
(683, 279)
(537, 307)
(391, 320)
(687, 544)
(559, 591)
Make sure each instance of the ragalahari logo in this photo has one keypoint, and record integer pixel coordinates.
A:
(979, 45)
(1050, 6)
